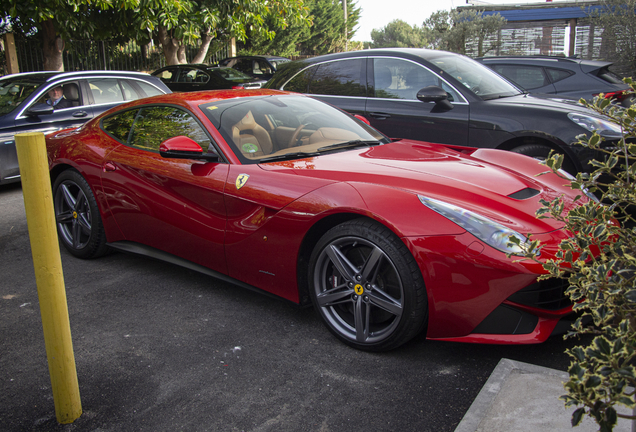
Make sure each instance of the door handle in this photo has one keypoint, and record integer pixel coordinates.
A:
(80, 114)
(109, 166)
(379, 115)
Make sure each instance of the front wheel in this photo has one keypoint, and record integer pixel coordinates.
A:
(79, 224)
(541, 152)
(367, 287)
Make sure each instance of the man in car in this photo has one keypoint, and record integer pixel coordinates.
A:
(56, 98)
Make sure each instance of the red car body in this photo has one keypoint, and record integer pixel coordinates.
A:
(261, 233)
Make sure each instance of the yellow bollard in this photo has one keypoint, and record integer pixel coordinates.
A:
(38, 202)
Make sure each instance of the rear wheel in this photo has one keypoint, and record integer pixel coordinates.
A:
(367, 287)
(79, 224)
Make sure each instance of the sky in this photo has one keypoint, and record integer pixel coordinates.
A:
(376, 14)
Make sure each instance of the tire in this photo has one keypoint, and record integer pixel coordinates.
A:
(541, 152)
(79, 224)
(367, 287)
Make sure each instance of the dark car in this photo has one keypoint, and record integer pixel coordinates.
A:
(565, 77)
(24, 107)
(194, 77)
(286, 194)
(446, 98)
(263, 67)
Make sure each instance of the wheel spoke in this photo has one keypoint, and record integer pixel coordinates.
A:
(372, 265)
(83, 220)
(333, 297)
(68, 197)
(76, 231)
(342, 264)
(64, 218)
(386, 302)
(361, 316)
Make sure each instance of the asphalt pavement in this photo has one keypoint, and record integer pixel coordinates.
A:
(162, 348)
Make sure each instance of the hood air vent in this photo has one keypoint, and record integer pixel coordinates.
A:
(524, 194)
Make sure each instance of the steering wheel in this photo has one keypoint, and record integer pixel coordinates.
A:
(295, 135)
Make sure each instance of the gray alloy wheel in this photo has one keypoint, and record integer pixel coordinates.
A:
(77, 217)
(367, 287)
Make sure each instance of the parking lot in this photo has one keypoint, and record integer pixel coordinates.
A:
(162, 348)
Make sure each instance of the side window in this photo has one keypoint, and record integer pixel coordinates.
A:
(300, 82)
(187, 75)
(105, 90)
(399, 79)
(243, 65)
(528, 77)
(154, 125)
(149, 89)
(119, 125)
(129, 91)
(166, 76)
(559, 74)
(340, 78)
(67, 95)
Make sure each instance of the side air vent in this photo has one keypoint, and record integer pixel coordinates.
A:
(524, 194)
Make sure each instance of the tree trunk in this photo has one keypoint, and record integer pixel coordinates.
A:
(52, 47)
(171, 47)
(206, 39)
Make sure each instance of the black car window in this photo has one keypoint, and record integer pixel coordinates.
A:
(340, 78)
(559, 74)
(607, 75)
(528, 77)
(300, 83)
(119, 125)
(399, 79)
(167, 75)
(243, 65)
(153, 125)
(105, 90)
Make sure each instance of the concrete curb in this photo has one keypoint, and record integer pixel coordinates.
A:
(524, 397)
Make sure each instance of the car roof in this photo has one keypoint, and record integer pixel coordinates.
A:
(546, 60)
(265, 56)
(51, 76)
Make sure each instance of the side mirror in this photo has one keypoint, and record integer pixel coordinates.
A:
(40, 109)
(182, 147)
(437, 95)
(362, 119)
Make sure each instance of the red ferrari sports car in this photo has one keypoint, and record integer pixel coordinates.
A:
(283, 193)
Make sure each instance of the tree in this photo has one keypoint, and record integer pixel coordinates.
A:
(599, 261)
(617, 18)
(325, 35)
(398, 34)
(57, 20)
(455, 31)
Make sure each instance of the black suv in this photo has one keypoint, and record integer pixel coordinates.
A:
(446, 98)
(565, 77)
(24, 104)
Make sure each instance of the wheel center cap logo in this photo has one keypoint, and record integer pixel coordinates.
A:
(74, 215)
(358, 289)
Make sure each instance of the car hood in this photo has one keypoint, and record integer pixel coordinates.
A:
(543, 102)
(499, 193)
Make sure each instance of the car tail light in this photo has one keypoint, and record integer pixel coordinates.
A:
(237, 87)
(618, 95)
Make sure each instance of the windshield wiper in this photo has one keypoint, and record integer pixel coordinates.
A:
(288, 156)
(348, 144)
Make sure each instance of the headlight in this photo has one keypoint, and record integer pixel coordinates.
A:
(600, 125)
(486, 230)
(587, 193)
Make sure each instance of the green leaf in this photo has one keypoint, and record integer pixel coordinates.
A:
(577, 416)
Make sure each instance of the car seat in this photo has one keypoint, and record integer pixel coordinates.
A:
(71, 93)
(251, 138)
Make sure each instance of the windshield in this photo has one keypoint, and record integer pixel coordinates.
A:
(278, 127)
(478, 78)
(13, 91)
(230, 74)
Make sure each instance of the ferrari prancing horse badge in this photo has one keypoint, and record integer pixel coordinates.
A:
(241, 180)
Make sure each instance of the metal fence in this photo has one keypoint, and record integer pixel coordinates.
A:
(105, 55)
